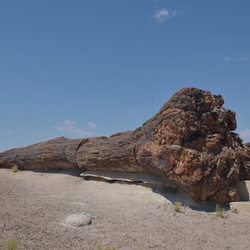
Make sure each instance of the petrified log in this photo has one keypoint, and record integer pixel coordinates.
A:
(188, 142)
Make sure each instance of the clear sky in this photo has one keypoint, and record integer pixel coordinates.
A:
(81, 68)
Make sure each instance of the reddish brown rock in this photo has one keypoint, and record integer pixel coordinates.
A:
(188, 142)
(245, 170)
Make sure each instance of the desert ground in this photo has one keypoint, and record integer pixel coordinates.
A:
(35, 205)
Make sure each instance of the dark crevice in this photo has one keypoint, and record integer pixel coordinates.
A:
(80, 144)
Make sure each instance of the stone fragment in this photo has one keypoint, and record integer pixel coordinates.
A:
(77, 220)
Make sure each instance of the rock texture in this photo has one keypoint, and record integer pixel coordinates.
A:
(245, 171)
(189, 142)
(79, 219)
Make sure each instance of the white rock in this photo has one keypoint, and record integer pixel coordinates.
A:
(77, 220)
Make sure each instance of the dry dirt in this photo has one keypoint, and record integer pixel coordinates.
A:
(34, 205)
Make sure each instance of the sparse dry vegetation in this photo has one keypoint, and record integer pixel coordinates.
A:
(15, 169)
(11, 244)
(220, 212)
(177, 206)
(98, 247)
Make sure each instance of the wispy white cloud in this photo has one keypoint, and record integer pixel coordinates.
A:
(71, 127)
(69, 123)
(235, 59)
(9, 132)
(245, 134)
(164, 14)
(91, 125)
(131, 111)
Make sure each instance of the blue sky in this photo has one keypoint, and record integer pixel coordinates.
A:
(81, 68)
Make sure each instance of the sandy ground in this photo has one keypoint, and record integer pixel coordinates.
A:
(34, 205)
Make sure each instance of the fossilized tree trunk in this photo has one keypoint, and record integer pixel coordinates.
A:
(188, 142)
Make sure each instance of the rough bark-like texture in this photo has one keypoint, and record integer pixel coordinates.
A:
(188, 142)
(245, 170)
(58, 153)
